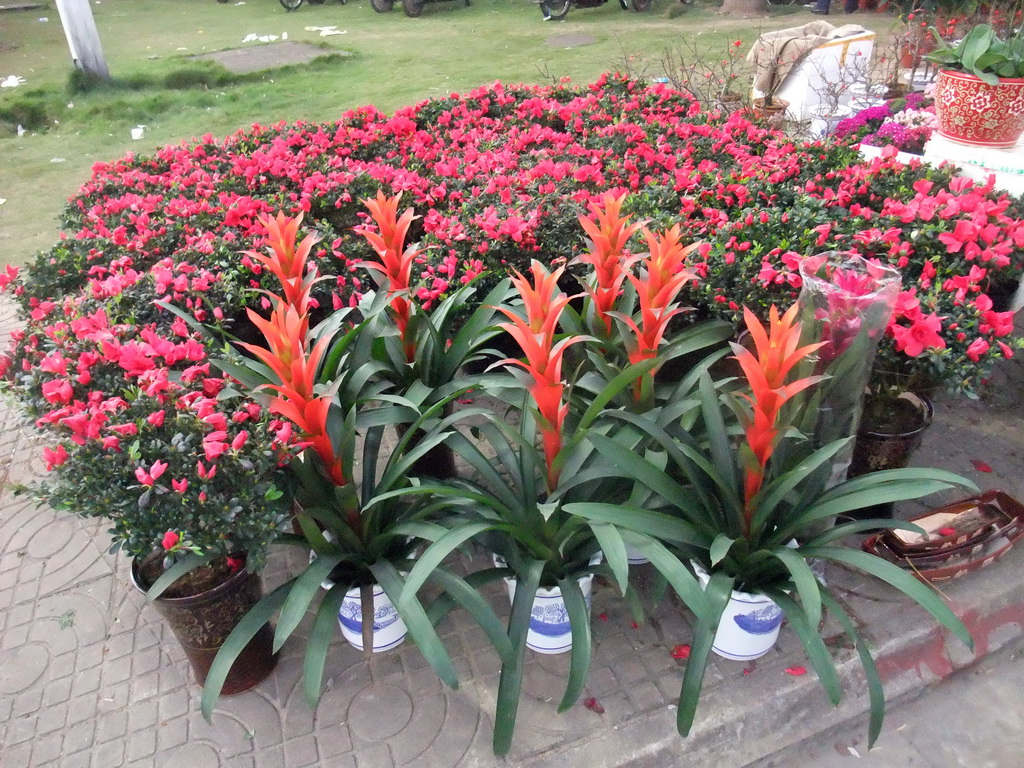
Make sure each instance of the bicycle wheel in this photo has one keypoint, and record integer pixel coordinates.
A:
(641, 5)
(382, 6)
(412, 8)
(290, 5)
(557, 9)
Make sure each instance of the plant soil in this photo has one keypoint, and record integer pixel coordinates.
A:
(195, 582)
(891, 416)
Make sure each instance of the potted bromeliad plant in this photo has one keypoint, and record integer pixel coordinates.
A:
(424, 350)
(362, 511)
(536, 459)
(980, 86)
(733, 521)
(527, 464)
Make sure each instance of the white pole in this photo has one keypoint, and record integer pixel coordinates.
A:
(83, 39)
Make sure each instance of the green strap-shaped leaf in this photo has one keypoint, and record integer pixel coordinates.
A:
(613, 388)
(183, 565)
(806, 582)
(579, 624)
(876, 693)
(469, 598)
(419, 625)
(719, 590)
(718, 436)
(658, 525)
(772, 494)
(235, 643)
(435, 555)
(813, 644)
(510, 682)
(720, 548)
(901, 580)
(323, 632)
(614, 552)
(642, 470)
(843, 530)
(669, 566)
(440, 607)
(306, 587)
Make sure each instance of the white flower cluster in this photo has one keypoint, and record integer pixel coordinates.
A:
(916, 118)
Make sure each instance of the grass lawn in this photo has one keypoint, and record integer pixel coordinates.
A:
(387, 60)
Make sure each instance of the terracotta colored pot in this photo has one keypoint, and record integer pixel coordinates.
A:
(202, 622)
(971, 111)
(773, 115)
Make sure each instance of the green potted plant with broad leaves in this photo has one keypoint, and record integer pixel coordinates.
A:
(423, 351)
(980, 80)
(729, 519)
(364, 529)
(527, 464)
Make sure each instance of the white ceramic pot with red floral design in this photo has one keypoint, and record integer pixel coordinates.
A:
(971, 111)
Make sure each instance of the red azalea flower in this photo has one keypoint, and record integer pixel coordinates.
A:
(922, 334)
(170, 540)
(54, 457)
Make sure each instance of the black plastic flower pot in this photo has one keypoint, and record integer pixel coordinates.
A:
(202, 622)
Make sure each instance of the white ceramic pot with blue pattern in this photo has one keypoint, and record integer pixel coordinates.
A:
(388, 628)
(635, 557)
(550, 631)
(749, 626)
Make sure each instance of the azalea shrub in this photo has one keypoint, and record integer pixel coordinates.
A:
(498, 178)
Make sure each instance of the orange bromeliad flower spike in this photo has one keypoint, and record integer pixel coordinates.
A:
(286, 260)
(777, 351)
(393, 230)
(666, 273)
(310, 416)
(661, 278)
(286, 355)
(608, 237)
(396, 260)
(543, 302)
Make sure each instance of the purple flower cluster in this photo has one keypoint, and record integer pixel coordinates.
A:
(861, 123)
(873, 126)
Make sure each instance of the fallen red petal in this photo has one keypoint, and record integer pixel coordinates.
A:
(635, 625)
(594, 705)
(796, 671)
(947, 531)
(980, 465)
(681, 652)
(603, 617)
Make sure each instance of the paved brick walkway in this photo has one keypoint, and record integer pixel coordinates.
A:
(89, 676)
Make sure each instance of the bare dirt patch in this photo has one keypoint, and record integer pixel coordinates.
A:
(271, 56)
(570, 41)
